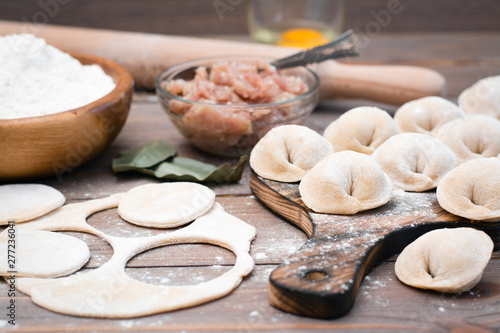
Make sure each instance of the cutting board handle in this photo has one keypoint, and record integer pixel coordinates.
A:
(322, 279)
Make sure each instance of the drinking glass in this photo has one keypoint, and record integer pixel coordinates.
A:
(295, 23)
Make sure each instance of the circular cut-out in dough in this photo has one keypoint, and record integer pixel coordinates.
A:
(346, 182)
(42, 254)
(445, 260)
(165, 205)
(472, 190)
(287, 152)
(471, 137)
(483, 97)
(23, 202)
(425, 114)
(362, 129)
(415, 162)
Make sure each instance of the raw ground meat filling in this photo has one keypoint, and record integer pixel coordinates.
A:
(220, 127)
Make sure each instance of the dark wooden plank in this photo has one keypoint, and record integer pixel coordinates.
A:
(451, 49)
(383, 305)
(408, 16)
(188, 17)
(184, 17)
(462, 58)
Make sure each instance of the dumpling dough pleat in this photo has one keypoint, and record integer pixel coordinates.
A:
(471, 137)
(425, 114)
(287, 152)
(362, 129)
(472, 190)
(445, 260)
(483, 97)
(346, 182)
(415, 162)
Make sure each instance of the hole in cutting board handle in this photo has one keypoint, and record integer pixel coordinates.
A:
(315, 275)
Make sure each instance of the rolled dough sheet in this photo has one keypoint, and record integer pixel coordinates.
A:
(110, 293)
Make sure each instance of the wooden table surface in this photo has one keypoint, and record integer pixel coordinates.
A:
(383, 303)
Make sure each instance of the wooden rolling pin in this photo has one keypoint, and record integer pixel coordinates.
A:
(146, 55)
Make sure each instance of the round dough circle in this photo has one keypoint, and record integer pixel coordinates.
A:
(346, 182)
(23, 202)
(445, 260)
(425, 114)
(43, 254)
(471, 137)
(287, 152)
(165, 205)
(472, 190)
(415, 162)
(362, 129)
(482, 97)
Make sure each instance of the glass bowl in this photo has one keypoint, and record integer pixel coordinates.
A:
(228, 129)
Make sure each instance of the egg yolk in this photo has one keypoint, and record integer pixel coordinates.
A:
(302, 37)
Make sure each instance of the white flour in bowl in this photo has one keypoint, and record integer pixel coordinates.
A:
(37, 79)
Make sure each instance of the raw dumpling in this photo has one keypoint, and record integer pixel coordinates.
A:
(414, 161)
(471, 137)
(472, 190)
(445, 260)
(426, 114)
(287, 152)
(483, 97)
(346, 182)
(23, 202)
(361, 129)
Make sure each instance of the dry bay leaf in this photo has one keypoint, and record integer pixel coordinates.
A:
(157, 159)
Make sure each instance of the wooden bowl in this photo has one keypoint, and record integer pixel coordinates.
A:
(58, 143)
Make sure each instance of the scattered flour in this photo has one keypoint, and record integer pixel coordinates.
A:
(260, 255)
(254, 313)
(38, 79)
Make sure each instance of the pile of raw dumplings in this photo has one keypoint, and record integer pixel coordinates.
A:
(431, 143)
(362, 155)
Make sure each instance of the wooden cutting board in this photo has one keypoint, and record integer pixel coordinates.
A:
(322, 278)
